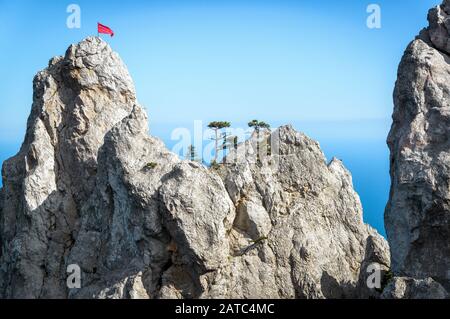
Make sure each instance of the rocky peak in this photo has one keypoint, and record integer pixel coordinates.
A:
(93, 64)
(417, 216)
(90, 187)
(438, 30)
(77, 99)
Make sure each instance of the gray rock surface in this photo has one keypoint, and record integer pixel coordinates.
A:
(122, 246)
(410, 288)
(76, 101)
(417, 217)
(438, 30)
(312, 218)
(91, 187)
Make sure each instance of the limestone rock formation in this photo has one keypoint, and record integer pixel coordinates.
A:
(417, 216)
(410, 288)
(91, 188)
(121, 245)
(310, 214)
(76, 101)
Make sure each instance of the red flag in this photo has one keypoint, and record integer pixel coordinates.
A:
(104, 29)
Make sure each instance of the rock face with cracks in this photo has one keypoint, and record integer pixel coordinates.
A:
(90, 187)
(417, 216)
(76, 101)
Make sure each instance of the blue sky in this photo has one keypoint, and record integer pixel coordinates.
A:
(237, 60)
(313, 63)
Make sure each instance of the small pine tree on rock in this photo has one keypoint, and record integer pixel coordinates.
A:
(217, 126)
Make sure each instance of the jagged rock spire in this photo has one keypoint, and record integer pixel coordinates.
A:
(417, 216)
(77, 99)
(91, 188)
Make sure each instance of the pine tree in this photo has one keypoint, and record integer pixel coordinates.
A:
(217, 126)
(257, 126)
(192, 154)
